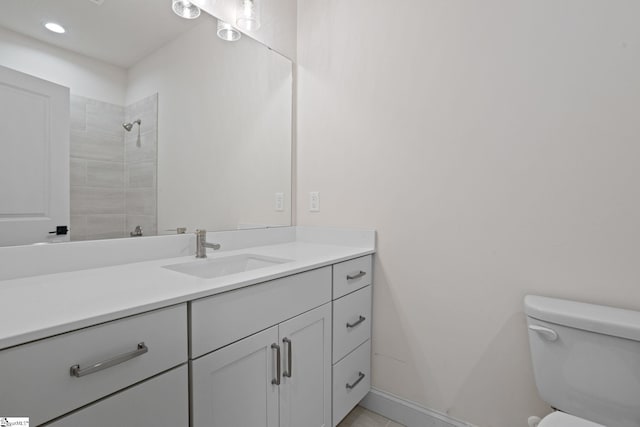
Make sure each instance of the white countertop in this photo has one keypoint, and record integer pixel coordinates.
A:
(40, 306)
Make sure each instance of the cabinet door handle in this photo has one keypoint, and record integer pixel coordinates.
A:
(77, 371)
(356, 276)
(360, 378)
(289, 370)
(357, 322)
(276, 380)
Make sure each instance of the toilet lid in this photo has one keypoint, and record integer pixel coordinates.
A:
(560, 419)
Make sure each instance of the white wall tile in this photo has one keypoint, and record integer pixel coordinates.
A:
(86, 201)
(78, 172)
(141, 175)
(141, 201)
(96, 146)
(105, 118)
(105, 174)
(106, 226)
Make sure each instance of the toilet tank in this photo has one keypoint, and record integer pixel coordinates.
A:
(586, 359)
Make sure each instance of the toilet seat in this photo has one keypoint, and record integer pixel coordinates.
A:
(561, 419)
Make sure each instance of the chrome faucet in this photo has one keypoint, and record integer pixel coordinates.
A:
(202, 245)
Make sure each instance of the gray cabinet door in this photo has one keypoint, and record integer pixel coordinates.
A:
(305, 395)
(232, 387)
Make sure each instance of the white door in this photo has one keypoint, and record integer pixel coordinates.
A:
(305, 394)
(34, 158)
(232, 387)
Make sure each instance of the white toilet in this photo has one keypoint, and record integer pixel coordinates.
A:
(586, 362)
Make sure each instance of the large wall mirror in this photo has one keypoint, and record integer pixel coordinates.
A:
(167, 126)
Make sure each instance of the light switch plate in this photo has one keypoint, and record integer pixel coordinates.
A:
(314, 201)
(279, 202)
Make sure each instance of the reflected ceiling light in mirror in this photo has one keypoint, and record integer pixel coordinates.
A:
(227, 32)
(54, 28)
(248, 14)
(185, 9)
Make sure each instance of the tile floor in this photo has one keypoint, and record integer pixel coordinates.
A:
(361, 417)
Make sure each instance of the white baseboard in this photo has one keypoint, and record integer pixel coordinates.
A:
(405, 412)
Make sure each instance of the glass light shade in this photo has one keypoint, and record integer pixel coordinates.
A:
(185, 9)
(227, 32)
(248, 14)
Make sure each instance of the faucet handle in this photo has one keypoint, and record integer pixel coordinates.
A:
(201, 233)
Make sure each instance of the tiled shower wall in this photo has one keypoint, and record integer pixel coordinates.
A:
(97, 170)
(113, 180)
(140, 166)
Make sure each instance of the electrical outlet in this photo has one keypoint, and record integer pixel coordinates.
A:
(279, 202)
(314, 201)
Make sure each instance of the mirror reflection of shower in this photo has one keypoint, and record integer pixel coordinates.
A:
(129, 126)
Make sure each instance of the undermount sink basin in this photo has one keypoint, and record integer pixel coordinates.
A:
(216, 267)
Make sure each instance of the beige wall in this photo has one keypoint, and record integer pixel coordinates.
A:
(495, 146)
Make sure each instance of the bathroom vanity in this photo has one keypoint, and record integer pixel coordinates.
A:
(284, 342)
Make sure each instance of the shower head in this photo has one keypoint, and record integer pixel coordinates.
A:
(129, 126)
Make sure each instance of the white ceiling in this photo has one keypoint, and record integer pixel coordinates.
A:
(120, 32)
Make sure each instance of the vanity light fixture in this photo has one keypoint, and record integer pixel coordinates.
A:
(54, 28)
(227, 32)
(248, 15)
(185, 9)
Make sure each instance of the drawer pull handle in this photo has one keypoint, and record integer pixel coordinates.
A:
(276, 380)
(360, 378)
(356, 323)
(289, 370)
(356, 276)
(77, 371)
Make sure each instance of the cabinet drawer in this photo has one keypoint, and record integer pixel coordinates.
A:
(160, 401)
(222, 319)
(351, 381)
(351, 275)
(351, 322)
(36, 380)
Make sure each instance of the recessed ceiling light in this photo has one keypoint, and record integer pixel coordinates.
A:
(56, 28)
